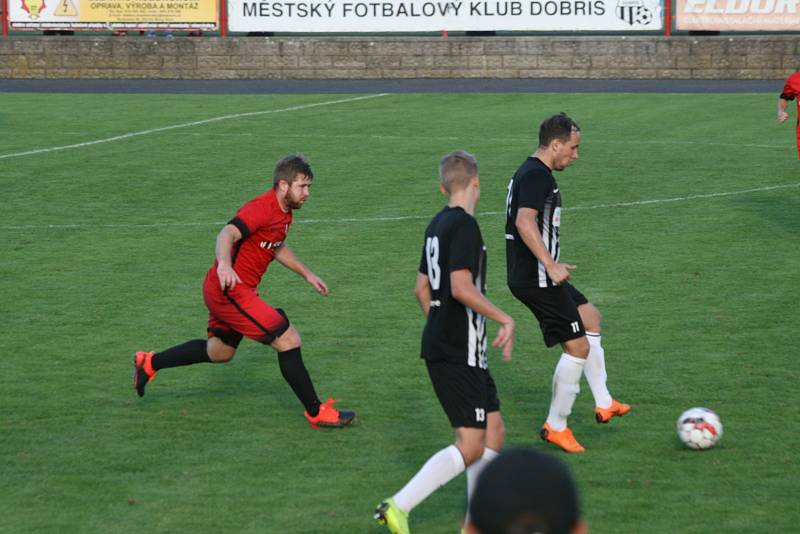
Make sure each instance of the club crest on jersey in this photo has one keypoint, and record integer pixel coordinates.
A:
(270, 245)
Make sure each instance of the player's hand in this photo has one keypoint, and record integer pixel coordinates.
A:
(227, 277)
(560, 272)
(505, 339)
(782, 116)
(317, 283)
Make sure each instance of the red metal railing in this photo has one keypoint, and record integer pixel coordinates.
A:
(667, 18)
(4, 16)
(223, 18)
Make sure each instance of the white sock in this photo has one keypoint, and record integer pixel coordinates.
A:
(473, 472)
(440, 469)
(566, 385)
(595, 371)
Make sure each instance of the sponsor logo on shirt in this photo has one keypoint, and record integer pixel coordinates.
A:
(270, 245)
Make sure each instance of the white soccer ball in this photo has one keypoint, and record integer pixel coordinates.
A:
(699, 428)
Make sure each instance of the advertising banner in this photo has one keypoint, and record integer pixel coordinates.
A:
(451, 15)
(738, 15)
(113, 14)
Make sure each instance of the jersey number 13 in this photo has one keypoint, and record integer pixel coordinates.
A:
(432, 257)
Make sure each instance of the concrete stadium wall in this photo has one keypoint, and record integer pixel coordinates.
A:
(681, 57)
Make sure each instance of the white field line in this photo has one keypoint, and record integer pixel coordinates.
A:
(188, 125)
(674, 199)
(408, 217)
(380, 137)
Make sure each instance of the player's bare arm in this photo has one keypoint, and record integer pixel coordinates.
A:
(464, 291)
(422, 290)
(782, 114)
(225, 240)
(287, 258)
(529, 231)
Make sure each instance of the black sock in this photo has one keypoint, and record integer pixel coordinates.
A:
(295, 373)
(189, 353)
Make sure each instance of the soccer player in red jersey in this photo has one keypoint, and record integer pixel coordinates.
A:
(245, 248)
(791, 91)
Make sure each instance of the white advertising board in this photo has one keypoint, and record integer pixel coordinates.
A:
(308, 16)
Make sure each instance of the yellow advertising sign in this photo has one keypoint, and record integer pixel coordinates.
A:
(147, 10)
(114, 14)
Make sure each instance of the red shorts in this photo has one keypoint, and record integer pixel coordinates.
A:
(240, 312)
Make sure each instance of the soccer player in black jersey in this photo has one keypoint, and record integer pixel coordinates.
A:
(538, 279)
(450, 288)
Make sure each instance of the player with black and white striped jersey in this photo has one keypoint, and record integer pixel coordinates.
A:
(450, 288)
(539, 280)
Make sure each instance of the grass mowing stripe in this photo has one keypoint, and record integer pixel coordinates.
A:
(408, 217)
(503, 139)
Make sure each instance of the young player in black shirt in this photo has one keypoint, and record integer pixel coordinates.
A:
(450, 288)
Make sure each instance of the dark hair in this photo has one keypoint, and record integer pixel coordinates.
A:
(556, 127)
(289, 167)
(525, 491)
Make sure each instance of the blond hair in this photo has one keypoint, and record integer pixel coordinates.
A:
(456, 169)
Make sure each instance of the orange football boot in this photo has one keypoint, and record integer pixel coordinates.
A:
(329, 416)
(563, 439)
(143, 371)
(604, 415)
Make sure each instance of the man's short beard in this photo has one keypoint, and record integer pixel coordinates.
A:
(293, 204)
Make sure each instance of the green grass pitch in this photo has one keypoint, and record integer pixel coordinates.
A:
(682, 215)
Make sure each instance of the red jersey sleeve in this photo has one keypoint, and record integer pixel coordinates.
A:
(250, 217)
(791, 89)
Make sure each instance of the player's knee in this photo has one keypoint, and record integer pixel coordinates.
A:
(594, 324)
(288, 340)
(471, 451)
(293, 337)
(577, 347)
(495, 437)
(598, 317)
(219, 352)
(591, 317)
(470, 441)
(497, 434)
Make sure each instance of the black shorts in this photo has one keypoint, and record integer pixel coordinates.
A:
(467, 394)
(556, 308)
